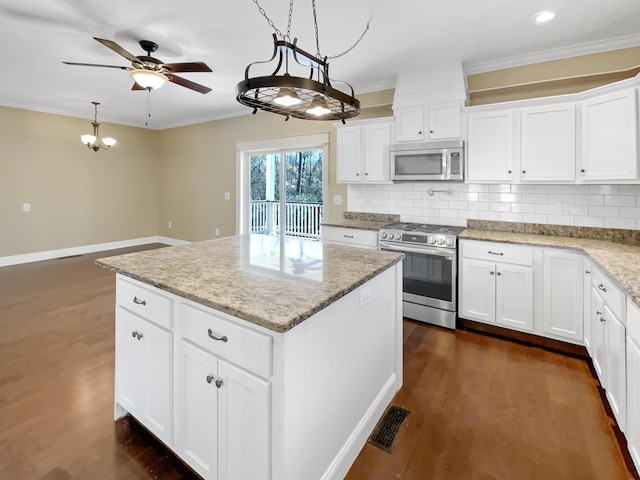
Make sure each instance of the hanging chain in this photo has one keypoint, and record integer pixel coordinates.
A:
(315, 24)
(272, 25)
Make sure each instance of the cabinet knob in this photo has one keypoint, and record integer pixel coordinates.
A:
(221, 339)
(366, 173)
(420, 132)
(491, 273)
(209, 378)
(582, 170)
(524, 171)
(498, 273)
(357, 174)
(430, 131)
(509, 172)
(218, 383)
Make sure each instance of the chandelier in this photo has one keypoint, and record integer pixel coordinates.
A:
(93, 142)
(308, 98)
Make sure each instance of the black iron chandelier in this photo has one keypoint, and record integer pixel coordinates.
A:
(306, 98)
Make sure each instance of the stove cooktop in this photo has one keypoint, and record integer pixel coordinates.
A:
(423, 228)
(419, 233)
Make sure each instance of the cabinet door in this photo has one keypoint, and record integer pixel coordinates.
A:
(633, 400)
(547, 151)
(597, 336)
(563, 291)
(615, 347)
(490, 146)
(129, 363)
(196, 409)
(444, 120)
(609, 137)
(514, 296)
(587, 324)
(376, 152)
(349, 154)
(245, 434)
(478, 294)
(409, 124)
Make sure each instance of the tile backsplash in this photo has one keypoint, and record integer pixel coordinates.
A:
(607, 206)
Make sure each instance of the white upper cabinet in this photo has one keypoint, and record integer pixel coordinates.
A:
(548, 141)
(610, 137)
(490, 146)
(363, 152)
(423, 123)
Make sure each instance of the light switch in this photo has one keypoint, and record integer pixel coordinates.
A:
(337, 199)
(26, 207)
(227, 196)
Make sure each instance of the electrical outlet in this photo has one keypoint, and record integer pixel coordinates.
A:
(227, 195)
(365, 296)
(26, 207)
(337, 199)
(217, 232)
(169, 225)
(563, 208)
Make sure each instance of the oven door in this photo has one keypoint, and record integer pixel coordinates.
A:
(429, 275)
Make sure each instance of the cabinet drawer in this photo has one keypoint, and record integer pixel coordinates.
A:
(144, 300)
(246, 348)
(633, 320)
(350, 236)
(497, 252)
(610, 294)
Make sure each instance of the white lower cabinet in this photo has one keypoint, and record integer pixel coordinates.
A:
(632, 432)
(563, 294)
(586, 305)
(349, 236)
(598, 357)
(222, 416)
(143, 373)
(497, 292)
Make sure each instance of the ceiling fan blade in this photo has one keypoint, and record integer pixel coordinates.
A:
(188, 83)
(96, 65)
(118, 49)
(187, 67)
(137, 87)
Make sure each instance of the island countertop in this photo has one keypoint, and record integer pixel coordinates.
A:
(273, 283)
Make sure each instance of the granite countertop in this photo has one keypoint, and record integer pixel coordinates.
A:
(619, 260)
(255, 277)
(363, 220)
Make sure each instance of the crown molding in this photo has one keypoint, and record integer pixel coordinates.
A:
(554, 54)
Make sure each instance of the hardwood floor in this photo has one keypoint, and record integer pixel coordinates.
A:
(481, 408)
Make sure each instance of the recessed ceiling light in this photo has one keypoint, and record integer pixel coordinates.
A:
(544, 16)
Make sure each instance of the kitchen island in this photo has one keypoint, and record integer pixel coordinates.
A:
(255, 357)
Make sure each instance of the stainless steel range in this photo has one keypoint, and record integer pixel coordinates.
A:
(429, 269)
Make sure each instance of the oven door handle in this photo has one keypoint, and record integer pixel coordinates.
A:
(429, 251)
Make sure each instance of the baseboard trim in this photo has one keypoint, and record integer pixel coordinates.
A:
(84, 249)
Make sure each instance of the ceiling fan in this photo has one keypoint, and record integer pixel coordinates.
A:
(149, 72)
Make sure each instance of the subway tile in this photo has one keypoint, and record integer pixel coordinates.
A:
(582, 221)
(523, 208)
(629, 189)
(489, 197)
(421, 219)
(397, 194)
(615, 222)
(449, 213)
(534, 198)
(523, 188)
(480, 206)
(500, 188)
(489, 216)
(547, 209)
(421, 203)
(470, 197)
(630, 212)
(620, 200)
(499, 207)
(429, 212)
(439, 204)
(459, 205)
(456, 187)
(557, 189)
(561, 219)
(413, 195)
(381, 194)
(638, 201)
(604, 211)
(382, 209)
(439, 220)
(511, 197)
(478, 188)
(468, 214)
(579, 210)
(413, 211)
(534, 218)
(458, 222)
(555, 198)
(589, 199)
(405, 203)
(511, 217)
(604, 189)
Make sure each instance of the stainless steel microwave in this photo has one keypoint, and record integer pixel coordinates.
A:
(427, 161)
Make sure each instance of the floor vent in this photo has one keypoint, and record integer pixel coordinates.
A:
(385, 432)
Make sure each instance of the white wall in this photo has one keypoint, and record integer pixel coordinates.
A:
(609, 206)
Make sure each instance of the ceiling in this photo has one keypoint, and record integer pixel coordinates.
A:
(404, 35)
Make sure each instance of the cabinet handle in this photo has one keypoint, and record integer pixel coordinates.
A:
(598, 312)
(495, 253)
(603, 320)
(491, 273)
(588, 272)
(582, 170)
(347, 236)
(211, 335)
(210, 378)
(134, 334)
(218, 383)
(602, 287)
(138, 301)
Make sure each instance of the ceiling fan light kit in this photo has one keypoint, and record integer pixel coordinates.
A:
(93, 142)
(306, 98)
(148, 79)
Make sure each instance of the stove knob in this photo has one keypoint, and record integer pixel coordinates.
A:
(383, 235)
(441, 241)
(391, 236)
(432, 240)
(449, 242)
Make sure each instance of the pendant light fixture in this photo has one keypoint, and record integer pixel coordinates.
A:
(309, 97)
(93, 142)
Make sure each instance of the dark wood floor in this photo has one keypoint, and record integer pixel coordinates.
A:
(481, 408)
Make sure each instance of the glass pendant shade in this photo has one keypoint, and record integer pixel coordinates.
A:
(109, 142)
(287, 97)
(88, 139)
(318, 106)
(148, 78)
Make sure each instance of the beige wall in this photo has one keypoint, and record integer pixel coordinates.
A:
(77, 197)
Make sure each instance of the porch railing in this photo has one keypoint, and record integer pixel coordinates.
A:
(301, 219)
